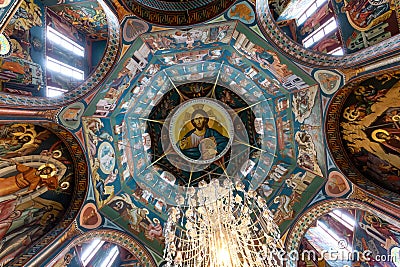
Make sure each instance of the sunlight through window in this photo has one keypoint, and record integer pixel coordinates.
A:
(108, 262)
(310, 10)
(344, 219)
(67, 70)
(61, 40)
(337, 52)
(320, 33)
(90, 251)
(54, 91)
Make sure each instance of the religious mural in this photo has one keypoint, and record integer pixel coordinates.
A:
(181, 111)
(337, 185)
(122, 79)
(26, 43)
(303, 28)
(87, 17)
(222, 32)
(329, 81)
(365, 23)
(132, 28)
(37, 180)
(278, 7)
(243, 12)
(379, 236)
(90, 217)
(361, 133)
(317, 240)
(140, 221)
(201, 130)
(370, 129)
(182, 114)
(102, 158)
(360, 24)
(23, 68)
(373, 238)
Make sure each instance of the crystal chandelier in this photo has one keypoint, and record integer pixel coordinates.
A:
(221, 225)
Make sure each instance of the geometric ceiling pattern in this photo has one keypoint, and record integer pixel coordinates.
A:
(177, 13)
(126, 120)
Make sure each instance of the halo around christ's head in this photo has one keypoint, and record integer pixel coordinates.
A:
(201, 131)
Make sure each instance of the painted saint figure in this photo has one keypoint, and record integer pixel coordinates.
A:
(202, 142)
(29, 177)
(390, 138)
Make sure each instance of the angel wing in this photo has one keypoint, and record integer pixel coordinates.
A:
(28, 148)
(42, 136)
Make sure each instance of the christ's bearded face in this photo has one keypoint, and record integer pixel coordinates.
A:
(199, 122)
(46, 171)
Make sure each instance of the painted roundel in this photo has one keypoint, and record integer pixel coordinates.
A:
(206, 133)
(188, 137)
(201, 131)
(368, 125)
(106, 155)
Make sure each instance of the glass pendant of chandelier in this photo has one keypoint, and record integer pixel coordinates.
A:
(221, 226)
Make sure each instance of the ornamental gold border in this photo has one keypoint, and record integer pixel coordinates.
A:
(182, 15)
(116, 237)
(81, 175)
(336, 147)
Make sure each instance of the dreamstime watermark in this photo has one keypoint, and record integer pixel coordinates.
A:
(341, 253)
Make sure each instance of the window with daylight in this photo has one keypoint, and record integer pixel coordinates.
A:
(320, 33)
(65, 69)
(90, 251)
(338, 51)
(54, 91)
(331, 235)
(65, 60)
(312, 8)
(59, 39)
(343, 218)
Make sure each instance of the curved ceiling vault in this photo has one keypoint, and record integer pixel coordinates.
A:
(36, 209)
(130, 251)
(220, 67)
(362, 133)
(312, 58)
(93, 79)
(177, 13)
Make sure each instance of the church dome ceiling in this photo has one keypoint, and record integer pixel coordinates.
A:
(264, 124)
(363, 133)
(126, 250)
(374, 50)
(24, 73)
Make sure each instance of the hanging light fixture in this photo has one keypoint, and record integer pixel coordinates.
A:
(221, 226)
